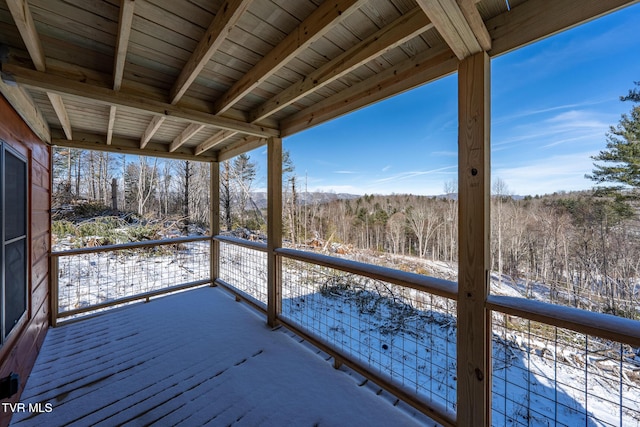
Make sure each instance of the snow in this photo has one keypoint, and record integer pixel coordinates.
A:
(190, 359)
(408, 337)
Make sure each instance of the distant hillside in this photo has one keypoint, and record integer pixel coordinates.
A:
(308, 198)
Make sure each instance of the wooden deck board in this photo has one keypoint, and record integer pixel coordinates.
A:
(193, 358)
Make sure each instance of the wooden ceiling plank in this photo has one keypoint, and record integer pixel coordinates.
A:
(105, 96)
(471, 14)
(25, 106)
(322, 20)
(188, 133)
(122, 43)
(89, 141)
(216, 139)
(151, 129)
(24, 21)
(452, 26)
(223, 22)
(61, 112)
(399, 31)
(112, 122)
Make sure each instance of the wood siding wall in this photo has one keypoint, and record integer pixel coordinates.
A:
(19, 353)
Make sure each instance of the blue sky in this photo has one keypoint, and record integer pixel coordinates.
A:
(552, 104)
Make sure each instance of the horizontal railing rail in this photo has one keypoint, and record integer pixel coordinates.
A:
(440, 287)
(91, 279)
(130, 245)
(249, 244)
(601, 325)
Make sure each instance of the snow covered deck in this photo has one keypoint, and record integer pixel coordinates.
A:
(195, 358)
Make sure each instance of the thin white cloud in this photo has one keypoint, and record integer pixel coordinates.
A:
(550, 174)
(568, 126)
(412, 174)
(345, 172)
(386, 168)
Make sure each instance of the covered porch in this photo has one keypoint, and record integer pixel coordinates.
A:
(207, 81)
(196, 358)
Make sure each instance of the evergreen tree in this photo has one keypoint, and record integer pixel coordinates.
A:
(244, 171)
(620, 162)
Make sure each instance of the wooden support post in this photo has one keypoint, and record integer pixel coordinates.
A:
(274, 229)
(473, 343)
(54, 269)
(214, 221)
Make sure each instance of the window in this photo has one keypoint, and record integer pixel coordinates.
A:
(13, 236)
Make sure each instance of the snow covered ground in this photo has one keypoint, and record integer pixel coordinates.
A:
(541, 375)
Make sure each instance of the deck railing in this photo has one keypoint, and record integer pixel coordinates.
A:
(243, 268)
(90, 279)
(551, 365)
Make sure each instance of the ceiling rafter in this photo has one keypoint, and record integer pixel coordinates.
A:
(225, 19)
(320, 22)
(24, 21)
(188, 133)
(223, 22)
(27, 109)
(151, 129)
(101, 95)
(399, 31)
(61, 112)
(247, 143)
(122, 43)
(111, 124)
(216, 139)
(452, 25)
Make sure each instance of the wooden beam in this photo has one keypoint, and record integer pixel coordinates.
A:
(111, 124)
(227, 17)
(24, 21)
(89, 141)
(246, 144)
(216, 139)
(536, 19)
(25, 106)
(122, 43)
(151, 129)
(471, 14)
(106, 96)
(413, 72)
(274, 230)
(452, 26)
(61, 112)
(400, 31)
(474, 177)
(320, 22)
(188, 133)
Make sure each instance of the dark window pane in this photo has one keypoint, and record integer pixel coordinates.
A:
(15, 197)
(15, 283)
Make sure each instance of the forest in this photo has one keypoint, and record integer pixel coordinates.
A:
(584, 247)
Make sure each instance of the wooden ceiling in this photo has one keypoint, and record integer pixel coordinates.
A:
(209, 79)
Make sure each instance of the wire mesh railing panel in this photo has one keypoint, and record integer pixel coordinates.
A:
(93, 278)
(401, 334)
(245, 269)
(545, 375)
